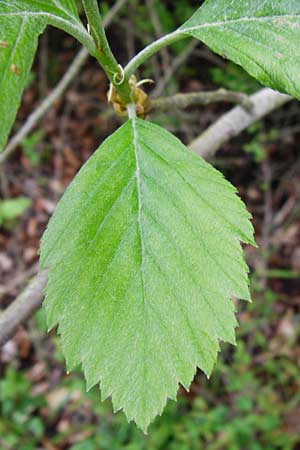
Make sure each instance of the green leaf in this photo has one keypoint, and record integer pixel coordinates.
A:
(261, 36)
(144, 255)
(21, 23)
(12, 208)
(61, 13)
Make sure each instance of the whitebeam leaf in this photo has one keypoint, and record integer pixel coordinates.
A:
(21, 23)
(262, 36)
(144, 255)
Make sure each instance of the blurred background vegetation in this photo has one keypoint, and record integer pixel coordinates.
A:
(252, 401)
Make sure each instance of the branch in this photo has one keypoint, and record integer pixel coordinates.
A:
(22, 308)
(235, 121)
(200, 98)
(165, 57)
(57, 92)
(230, 124)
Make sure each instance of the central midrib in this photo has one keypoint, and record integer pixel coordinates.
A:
(240, 20)
(132, 116)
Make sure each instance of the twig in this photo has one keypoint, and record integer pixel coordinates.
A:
(4, 183)
(235, 121)
(129, 30)
(165, 57)
(19, 280)
(200, 98)
(57, 92)
(209, 55)
(263, 264)
(22, 308)
(284, 212)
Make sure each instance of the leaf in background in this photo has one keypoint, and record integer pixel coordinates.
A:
(21, 23)
(261, 36)
(12, 208)
(144, 255)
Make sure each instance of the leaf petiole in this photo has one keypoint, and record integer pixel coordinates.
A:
(151, 49)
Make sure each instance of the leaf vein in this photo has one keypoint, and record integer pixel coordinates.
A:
(239, 20)
(91, 196)
(225, 220)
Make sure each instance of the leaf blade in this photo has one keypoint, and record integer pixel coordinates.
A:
(148, 282)
(21, 23)
(15, 62)
(262, 37)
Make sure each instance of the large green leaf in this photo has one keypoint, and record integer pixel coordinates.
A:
(21, 22)
(260, 35)
(144, 255)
